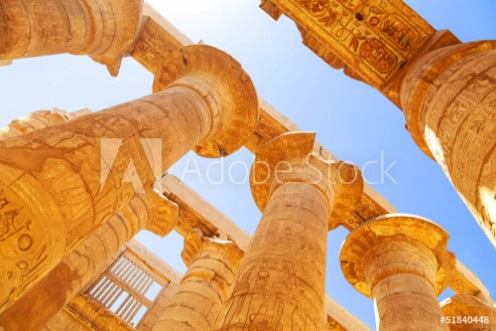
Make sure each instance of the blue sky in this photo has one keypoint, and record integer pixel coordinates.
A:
(351, 119)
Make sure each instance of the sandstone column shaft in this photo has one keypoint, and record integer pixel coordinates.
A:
(51, 196)
(449, 99)
(37, 120)
(281, 281)
(59, 184)
(103, 29)
(66, 280)
(212, 266)
(404, 294)
(92, 313)
(153, 315)
(402, 262)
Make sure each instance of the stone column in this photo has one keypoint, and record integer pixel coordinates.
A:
(402, 262)
(467, 313)
(34, 121)
(281, 281)
(68, 319)
(212, 266)
(91, 313)
(449, 99)
(102, 29)
(162, 301)
(58, 184)
(64, 282)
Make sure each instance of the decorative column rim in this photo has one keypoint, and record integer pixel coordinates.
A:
(339, 182)
(422, 76)
(195, 242)
(235, 111)
(164, 214)
(406, 227)
(292, 145)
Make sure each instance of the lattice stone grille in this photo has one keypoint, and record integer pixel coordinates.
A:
(128, 289)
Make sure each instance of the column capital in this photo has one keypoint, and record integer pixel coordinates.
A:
(416, 238)
(448, 96)
(423, 81)
(291, 157)
(196, 243)
(163, 213)
(128, 29)
(33, 121)
(103, 29)
(466, 306)
(212, 266)
(225, 87)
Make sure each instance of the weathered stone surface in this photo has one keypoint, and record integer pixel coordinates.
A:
(281, 280)
(226, 89)
(50, 295)
(212, 266)
(34, 121)
(67, 319)
(159, 38)
(56, 219)
(99, 317)
(371, 40)
(449, 101)
(92, 310)
(468, 313)
(402, 262)
(53, 188)
(102, 29)
(158, 308)
(445, 88)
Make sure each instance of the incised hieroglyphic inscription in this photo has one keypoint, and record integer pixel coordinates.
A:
(372, 38)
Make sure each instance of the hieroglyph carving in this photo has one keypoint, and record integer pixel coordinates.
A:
(29, 256)
(374, 38)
